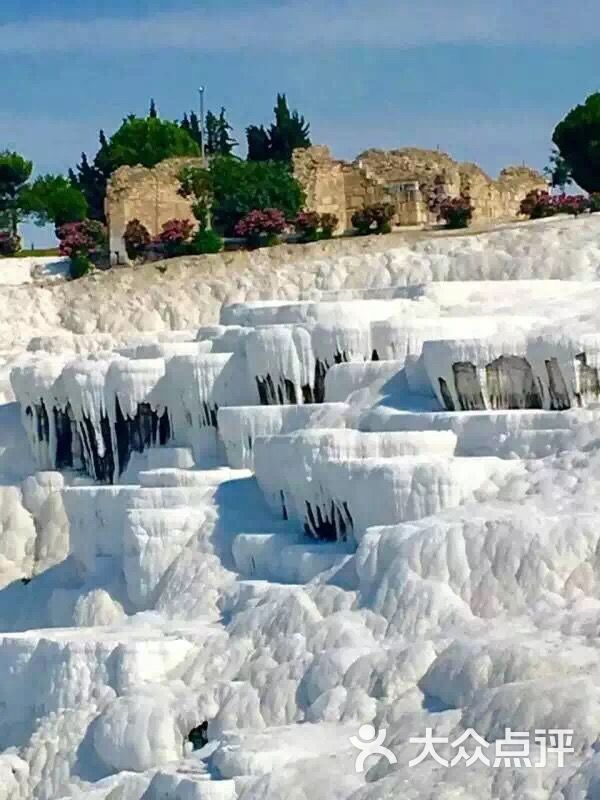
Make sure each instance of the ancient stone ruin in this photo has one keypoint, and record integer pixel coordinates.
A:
(405, 178)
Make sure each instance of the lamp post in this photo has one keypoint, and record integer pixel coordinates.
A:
(203, 150)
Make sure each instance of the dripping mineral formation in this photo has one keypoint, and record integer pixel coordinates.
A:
(256, 510)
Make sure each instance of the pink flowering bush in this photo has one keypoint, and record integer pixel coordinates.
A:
(82, 242)
(174, 235)
(538, 204)
(137, 239)
(261, 225)
(374, 219)
(574, 204)
(457, 212)
(312, 226)
(9, 243)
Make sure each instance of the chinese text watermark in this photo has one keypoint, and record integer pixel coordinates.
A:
(514, 750)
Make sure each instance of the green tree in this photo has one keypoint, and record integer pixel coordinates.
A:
(234, 187)
(557, 171)
(147, 142)
(289, 132)
(225, 142)
(152, 113)
(212, 134)
(577, 139)
(91, 179)
(15, 171)
(259, 146)
(54, 199)
(217, 131)
(191, 125)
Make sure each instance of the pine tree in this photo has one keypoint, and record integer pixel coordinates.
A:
(259, 146)
(212, 134)
(225, 142)
(153, 113)
(289, 132)
(191, 124)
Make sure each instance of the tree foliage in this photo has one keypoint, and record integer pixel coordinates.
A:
(91, 179)
(234, 188)
(54, 199)
(15, 171)
(289, 132)
(577, 139)
(219, 140)
(147, 142)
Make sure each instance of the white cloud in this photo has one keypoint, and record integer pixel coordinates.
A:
(307, 24)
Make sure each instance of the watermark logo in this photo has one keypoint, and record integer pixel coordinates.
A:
(514, 750)
(370, 743)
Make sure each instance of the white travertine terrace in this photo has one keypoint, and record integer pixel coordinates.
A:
(373, 499)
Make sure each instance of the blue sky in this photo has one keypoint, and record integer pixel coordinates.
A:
(485, 81)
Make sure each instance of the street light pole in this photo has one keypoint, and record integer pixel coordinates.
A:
(202, 148)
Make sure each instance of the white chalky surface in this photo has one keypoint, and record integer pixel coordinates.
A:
(407, 536)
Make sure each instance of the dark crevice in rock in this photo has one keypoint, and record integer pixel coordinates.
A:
(320, 372)
(146, 429)
(327, 525)
(102, 467)
(199, 736)
(64, 438)
(446, 396)
(559, 394)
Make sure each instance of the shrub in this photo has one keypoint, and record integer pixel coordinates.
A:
(329, 223)
(9, 243)
(137, 238)
(307, 225)
(538, 204)
(233, 188)
(261, 227)
(457, 212)
(574, 205)
(80, 266)
(312, 226)
(374, 219)
(594, 203)
(86, 238)
(205, 241)
(175, 233)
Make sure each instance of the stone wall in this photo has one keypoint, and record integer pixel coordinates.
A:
(150, 195)
(406, 178)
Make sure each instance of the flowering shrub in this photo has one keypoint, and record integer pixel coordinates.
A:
(457, 212)
(9, 243)
(137, 238)
(311, 226)
(256, 225)
(538, 204)
(574, 204)
(81, 242)
(307, 225)
(175, 233)
(374, 219)
(594, 203)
